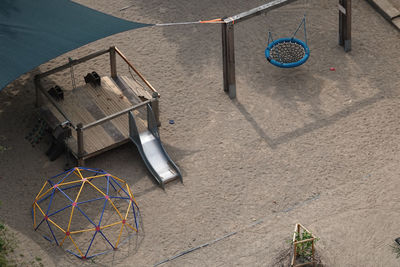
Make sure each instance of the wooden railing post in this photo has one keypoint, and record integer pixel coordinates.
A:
(113, 62)
(156, 108)
(79, 133)
(294, 246)
(313, 254)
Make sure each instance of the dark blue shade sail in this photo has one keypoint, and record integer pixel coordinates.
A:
(33, 32)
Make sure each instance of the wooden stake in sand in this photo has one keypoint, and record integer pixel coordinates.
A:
(299, 232)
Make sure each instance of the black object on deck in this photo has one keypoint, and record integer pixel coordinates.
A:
(93, 78)
(56, 92)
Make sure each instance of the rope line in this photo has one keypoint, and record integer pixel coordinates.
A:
(257, 222)
(212, 21)
(71, 69)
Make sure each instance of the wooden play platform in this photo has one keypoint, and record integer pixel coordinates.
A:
(87, 103)
(97, 114)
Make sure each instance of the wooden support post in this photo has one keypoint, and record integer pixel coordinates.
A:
(228, 59)
(156, 108)
(294, 246)
(313, 254)
(113, 62)
(79, 133)
(81, 162)
(224, 57)
(294, 255)
(345, 24)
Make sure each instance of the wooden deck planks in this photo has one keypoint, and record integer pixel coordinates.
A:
(95, 138)
(137, 89)
(108, 104)
(87, 104)
(126, 95)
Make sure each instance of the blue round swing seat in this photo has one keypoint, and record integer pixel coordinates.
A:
(287, 52)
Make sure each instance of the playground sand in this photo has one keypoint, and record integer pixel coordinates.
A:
(306, 145)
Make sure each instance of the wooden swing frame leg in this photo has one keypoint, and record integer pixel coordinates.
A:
(228, 59)
(345, 24)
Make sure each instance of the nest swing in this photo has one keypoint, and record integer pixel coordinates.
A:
(288, 52)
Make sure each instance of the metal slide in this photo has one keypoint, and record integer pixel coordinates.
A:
(152, 151)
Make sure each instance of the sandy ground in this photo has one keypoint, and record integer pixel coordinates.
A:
(304, 145)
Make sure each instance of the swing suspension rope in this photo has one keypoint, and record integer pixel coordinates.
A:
(212, 21)
(288, 52)
(71, 70)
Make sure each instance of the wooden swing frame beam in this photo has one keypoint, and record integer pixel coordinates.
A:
(228, 40)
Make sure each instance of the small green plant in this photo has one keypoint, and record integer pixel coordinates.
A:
(396, 249)
(304, 249)
(7, 245)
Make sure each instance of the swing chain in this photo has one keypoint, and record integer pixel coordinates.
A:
(303, 22)
(270, 37)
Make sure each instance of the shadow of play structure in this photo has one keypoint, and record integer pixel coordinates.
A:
(105, 113)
